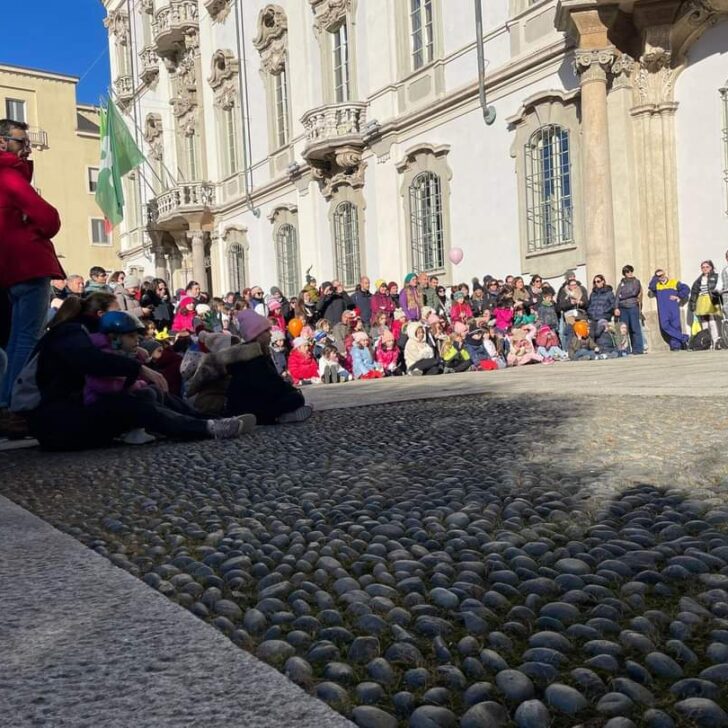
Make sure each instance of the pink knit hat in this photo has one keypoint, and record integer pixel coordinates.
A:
(252, 324)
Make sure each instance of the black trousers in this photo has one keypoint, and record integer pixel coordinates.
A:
(427, 366)
(73, 426)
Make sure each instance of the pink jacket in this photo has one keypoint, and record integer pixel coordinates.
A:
(98, 386)
(503, 318)
(184, 320)
(386, 357)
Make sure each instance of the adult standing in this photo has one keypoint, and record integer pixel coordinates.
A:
(98, 281)
(670, 294)
(705, 299)
(629, 307)
(409, 298)
(428, 290)
(157, 298)
(334, 300)
(127, 298)
(28, 259)
(381, 303)
(257, 301)
(601, 303)
(535, 289)
(362, 299)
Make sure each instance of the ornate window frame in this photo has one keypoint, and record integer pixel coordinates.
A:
(285, 218)
(223, 80)
(329, 16)
(235, 239)
(342, 195)
(272, 45)
(549, 108)
(419, 160)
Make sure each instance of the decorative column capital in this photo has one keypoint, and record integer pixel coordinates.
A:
(594, 64)
(196, 237)
(622, 69)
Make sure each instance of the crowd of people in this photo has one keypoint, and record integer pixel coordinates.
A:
(100, 357)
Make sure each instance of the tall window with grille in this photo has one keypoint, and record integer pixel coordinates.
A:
(549, 200)
(236, 266)
(280, 85)
(421, 32)
(346, 243)
(426, 229)
(724, 132)
(340, 49)
(289, 276)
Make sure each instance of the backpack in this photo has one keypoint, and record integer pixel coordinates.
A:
(25, 396)
(701, 341)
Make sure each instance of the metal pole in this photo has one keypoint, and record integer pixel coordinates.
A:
(488, 111)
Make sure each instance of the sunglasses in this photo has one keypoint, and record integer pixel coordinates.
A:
(23, 141)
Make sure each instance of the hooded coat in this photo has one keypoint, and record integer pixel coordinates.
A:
(184, 320)
(27, 224)
(415, 350)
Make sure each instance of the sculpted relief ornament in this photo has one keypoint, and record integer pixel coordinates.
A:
(224, 78)
(272, 38)
(117, 23)
(329, 13)
(593, 65)
(153, 135)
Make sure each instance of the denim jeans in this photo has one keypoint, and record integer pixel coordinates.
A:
(631, 317)
(30, 301)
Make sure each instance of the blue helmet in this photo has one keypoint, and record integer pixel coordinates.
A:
(120, 322)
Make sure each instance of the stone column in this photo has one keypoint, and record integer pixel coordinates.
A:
(593, 66)
(160, 263)
(197, 242)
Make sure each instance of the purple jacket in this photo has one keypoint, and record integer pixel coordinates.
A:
(412, 313)
(98, 386)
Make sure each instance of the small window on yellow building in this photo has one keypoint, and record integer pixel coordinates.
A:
(93, 178)
(98, 233)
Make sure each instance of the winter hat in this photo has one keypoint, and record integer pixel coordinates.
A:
(433, 318)
(460, 328)
(202, 309)
(132, 282)
(379, 283)
(459, 296)
(215, 342)
(387, 336)
(392, 283)
(408, 278)
(425, 312)
(399, 314)
(186, 301)
(360, 337)
(277, 335)
(274, 305)
(299, 341)
(151, 345)
(307, 332)
(252, 324)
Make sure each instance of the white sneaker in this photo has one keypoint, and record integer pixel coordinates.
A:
(137, 437)
(231, 427)
(299, 415)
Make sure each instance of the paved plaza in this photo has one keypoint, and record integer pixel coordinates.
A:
(533, 547)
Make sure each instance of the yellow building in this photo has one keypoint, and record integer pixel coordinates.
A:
(66, 145)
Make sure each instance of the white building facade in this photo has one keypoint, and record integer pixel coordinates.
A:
(347, 137)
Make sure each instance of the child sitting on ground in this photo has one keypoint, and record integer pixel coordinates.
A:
(522, 315)
(624, 346)
(387, 354)
(278, 351)
(165, 360)
(503, 314)
(581, 345)
(301, 365)
(322, 337)
(547, 342)
(606, 340)
(521, 349)
(453, 351)
(255, 385)
(329, 367)
(493, 348)
(546, 311)
(119, 333)
(362, 362)
(476, 351)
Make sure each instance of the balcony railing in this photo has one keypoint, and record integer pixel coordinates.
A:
(124, 87)
(186, 197)
(333, 126)
(38, 137)
(149, 64)
(172, 23)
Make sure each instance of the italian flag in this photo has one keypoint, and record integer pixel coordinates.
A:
(119, 155)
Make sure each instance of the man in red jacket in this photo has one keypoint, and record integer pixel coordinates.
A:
(27, 258)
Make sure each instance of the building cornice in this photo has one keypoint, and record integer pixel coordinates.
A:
(38, 73)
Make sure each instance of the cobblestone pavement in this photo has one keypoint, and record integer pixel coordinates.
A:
(465, 561)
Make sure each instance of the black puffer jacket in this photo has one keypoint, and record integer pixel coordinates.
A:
(695, 289)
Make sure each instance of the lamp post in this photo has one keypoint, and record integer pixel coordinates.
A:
(488, 111)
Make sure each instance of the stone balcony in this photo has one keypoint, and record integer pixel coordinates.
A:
(187, 202)
(333, 129)
(149, 64)
(124, 88)
(173, 24)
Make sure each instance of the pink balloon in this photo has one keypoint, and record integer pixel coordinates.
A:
(455, 255)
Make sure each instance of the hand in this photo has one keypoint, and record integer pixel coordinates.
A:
(674, 298)
(154, 378)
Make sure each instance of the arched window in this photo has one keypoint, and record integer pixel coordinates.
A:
(428, 249)
(289, 276)
(549, 203)
(236, 266)
(346, 242)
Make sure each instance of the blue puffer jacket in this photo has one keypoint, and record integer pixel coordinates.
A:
(601, 304)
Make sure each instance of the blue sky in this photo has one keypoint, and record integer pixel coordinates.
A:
(50, 36)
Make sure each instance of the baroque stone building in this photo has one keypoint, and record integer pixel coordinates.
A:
(347, 137)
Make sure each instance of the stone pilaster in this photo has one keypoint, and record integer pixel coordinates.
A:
(197, 243)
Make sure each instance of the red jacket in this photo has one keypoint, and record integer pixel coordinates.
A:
(302, 366)
(27, 223)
